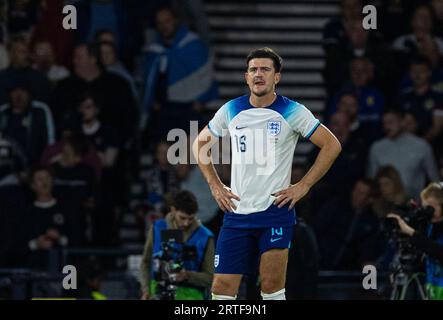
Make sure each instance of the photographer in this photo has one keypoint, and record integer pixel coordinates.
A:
(432, 243)
(196, 275)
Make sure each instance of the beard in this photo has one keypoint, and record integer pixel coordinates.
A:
(262, 92)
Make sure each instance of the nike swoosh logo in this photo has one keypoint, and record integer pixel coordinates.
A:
(276, 239)
(238, 127)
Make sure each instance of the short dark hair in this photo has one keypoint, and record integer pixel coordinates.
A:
(185, 201)
(398, 112)
(38, 168)
(266, 53)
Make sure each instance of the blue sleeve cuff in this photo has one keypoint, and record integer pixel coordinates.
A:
(212, 131)
(313, 130)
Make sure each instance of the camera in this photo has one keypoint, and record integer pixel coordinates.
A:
(172, 259)
(417, 217)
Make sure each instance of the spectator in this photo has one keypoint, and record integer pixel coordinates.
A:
(19, 70)
(437, 6)
(421, 41)
(346, 228)
(415, 168)
(349, 165)
(28, 122)
(47, 219)
(101, 137)
(360, 43)
(422, 100)
(44, 61)
(111, 92)
(109, 59)
(371, 100)
(48, 28)
(113, 15)
(161, 178)
(334, 32)
(394, 17)
(74, 186)
(178, 76)
(21, 16)
(390, 191)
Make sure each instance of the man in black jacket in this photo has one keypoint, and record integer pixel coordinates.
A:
(27, 122)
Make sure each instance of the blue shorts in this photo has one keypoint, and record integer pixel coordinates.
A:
(238, 251)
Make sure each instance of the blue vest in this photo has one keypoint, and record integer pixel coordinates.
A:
(199, 239)
(434, 270)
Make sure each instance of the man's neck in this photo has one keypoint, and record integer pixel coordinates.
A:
(44, 198)
(264, 101)
(88, 75)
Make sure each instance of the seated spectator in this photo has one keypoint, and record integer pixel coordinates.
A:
(360, 43)
(349, 165)
(437, 6)
(44, 61)
(28, 122)
(390, 192)
(47, 219)
(53, 152)
(393, 17)
(47, 28)
(19, 71)
(21, 16)
(371, 100)
(178, 77)
(103, 141)
(111, 92)
(74, 186)
(113, 15)
(161, 178)
(422, 100)
(421, 41)
(415, 168)
(109, 59)
(347, 229)
(13, 243)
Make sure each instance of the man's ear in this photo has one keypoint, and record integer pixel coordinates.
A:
(173, 209)
(277, 77)
(246, 77)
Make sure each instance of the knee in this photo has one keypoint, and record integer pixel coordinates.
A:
(223, 287)
(271, 284)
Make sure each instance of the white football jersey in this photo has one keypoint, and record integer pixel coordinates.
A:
(263, 141)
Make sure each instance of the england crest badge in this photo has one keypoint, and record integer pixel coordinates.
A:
(274, 127)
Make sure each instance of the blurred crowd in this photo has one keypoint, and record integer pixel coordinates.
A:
(79, 107)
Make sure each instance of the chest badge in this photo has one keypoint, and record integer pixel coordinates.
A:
(274, 127)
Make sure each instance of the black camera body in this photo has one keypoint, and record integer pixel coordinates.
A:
(419, 218)
(175, 254)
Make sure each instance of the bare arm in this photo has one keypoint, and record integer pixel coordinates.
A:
(201, 149)
(329, 150)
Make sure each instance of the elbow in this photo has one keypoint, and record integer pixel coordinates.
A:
(335, 147)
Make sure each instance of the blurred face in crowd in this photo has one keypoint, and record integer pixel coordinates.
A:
(82, 59)
(261, 76)
(361, 195)
(107, 37)
(358, 35)
(19, 54)
(166, 24)
(89, 110)
(392, 125)
(340, 126)
(436, 205)
(348, 104)
(361, 72)
(107, 54)
(386, 187)
(437, 5)
(43, 55)
(410, 123)
(161, 154)
(183, 220)
(422, 22)
(420, 74)
(351, 9)
(20, 100)
(42, 183)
